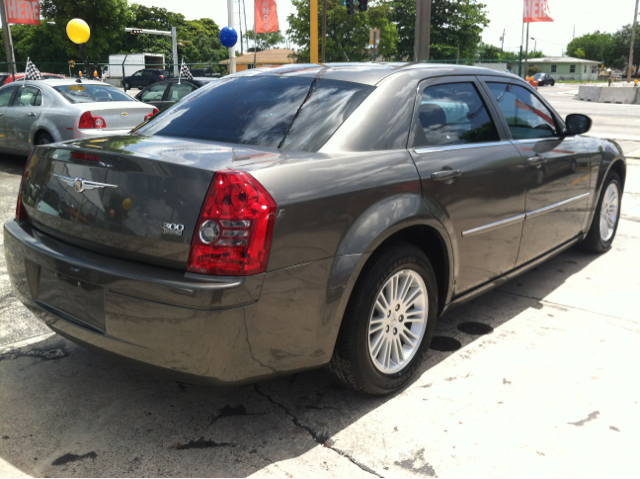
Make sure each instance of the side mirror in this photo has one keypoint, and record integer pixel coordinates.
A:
(577, 124)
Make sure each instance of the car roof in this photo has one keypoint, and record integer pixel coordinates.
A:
(373, 72)
(67, 81)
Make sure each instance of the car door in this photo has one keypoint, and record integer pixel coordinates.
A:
(177, 92)
(154, 95)
(135, 80)
(24, 111)
(147, 78)
(558, 171)
(5, 101)
(472, 177)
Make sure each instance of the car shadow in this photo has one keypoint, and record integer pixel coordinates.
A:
(12, 164)
(69, 411)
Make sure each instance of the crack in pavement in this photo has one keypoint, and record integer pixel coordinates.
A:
(314, 434)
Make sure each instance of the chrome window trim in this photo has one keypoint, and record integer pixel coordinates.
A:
(520, 218)
(492, 226)
(547, 209)
(549, 138)
(431, 149)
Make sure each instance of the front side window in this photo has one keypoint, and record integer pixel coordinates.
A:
(526, 116)
(572, 68)
(28, 96)
(5, 95)
(154, 93)
(137, 74)
(298, 113)
(86, 93)
(452, 114)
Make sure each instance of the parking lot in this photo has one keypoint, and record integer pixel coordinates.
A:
(549, 389)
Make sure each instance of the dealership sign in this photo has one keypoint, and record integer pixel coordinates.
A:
(536, 11)
(23, 11)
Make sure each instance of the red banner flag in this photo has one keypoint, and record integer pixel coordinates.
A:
(266, 16)
(23, 11)
(536, 11)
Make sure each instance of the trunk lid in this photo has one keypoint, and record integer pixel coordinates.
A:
(128, 196)
(120, 115)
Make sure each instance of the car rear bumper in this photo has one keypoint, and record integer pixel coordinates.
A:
(216, 328)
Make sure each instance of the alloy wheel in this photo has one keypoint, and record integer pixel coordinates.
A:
(397, 321)
(609, 210)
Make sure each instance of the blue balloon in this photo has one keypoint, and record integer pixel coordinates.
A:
(228, 37)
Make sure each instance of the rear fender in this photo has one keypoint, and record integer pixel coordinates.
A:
(379, 223)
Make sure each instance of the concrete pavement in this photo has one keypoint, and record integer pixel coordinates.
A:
(550, 389)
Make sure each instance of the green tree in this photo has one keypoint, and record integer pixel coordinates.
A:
(621, 46)
(593, 46)
(106, 18)
(264, 41)
(453, 23)
(491, 52)
(347, 36)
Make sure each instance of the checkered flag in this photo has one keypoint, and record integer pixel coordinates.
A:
(185, 72)
(32, 73)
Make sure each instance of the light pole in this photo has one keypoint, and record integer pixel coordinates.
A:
(633, 39)
(535, 44)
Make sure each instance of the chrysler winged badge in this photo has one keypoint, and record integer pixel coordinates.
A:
(80, 184)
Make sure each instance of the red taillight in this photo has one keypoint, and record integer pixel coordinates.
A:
(21, 211)
(233, 233)
(84, 156)
(150, 115)
(161, 77)
(88, 121)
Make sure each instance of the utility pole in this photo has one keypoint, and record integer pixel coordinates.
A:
(526, 53)
(314, 31)
(174, 46)
(324, 28)
(423, 30)
(633, 39)
(8, 43)
(232, 50)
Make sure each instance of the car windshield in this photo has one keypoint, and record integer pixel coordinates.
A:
(84, 93)
(298, 113)
(537, 76)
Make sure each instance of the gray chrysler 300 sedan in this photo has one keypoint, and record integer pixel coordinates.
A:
(306, 216)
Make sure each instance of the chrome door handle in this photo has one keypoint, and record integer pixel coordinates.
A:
(445, 175)
(536, 160)
(1, 114)
(31, 114)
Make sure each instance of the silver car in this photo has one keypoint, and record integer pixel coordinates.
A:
(46, 111)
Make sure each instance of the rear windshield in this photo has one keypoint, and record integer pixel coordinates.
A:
(295, 113)
(79, 93)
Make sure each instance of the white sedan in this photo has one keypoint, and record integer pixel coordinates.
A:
(46, 111)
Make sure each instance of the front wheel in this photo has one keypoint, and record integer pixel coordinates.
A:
(607, 215)
(126, 86)
(389, 322)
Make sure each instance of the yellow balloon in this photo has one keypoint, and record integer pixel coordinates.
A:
(127, 204)
(78, 31)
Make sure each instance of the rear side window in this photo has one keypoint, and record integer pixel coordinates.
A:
(179, 90)
(526, 116)
(28, 96)
(452, 114)
(85, 93)
(297, 113)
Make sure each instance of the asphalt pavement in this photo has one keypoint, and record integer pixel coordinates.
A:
(545, 385)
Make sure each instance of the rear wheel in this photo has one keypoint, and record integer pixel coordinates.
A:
(605, 220)
(389, 322)
(43, 139)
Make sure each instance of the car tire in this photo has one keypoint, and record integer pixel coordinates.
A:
(43, 139)
(367, 354)
(553, 83)
(606, 217)
(126, 86)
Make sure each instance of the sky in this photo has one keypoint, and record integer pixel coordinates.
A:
(586, 16)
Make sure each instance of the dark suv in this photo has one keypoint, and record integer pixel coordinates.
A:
(143, 78)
